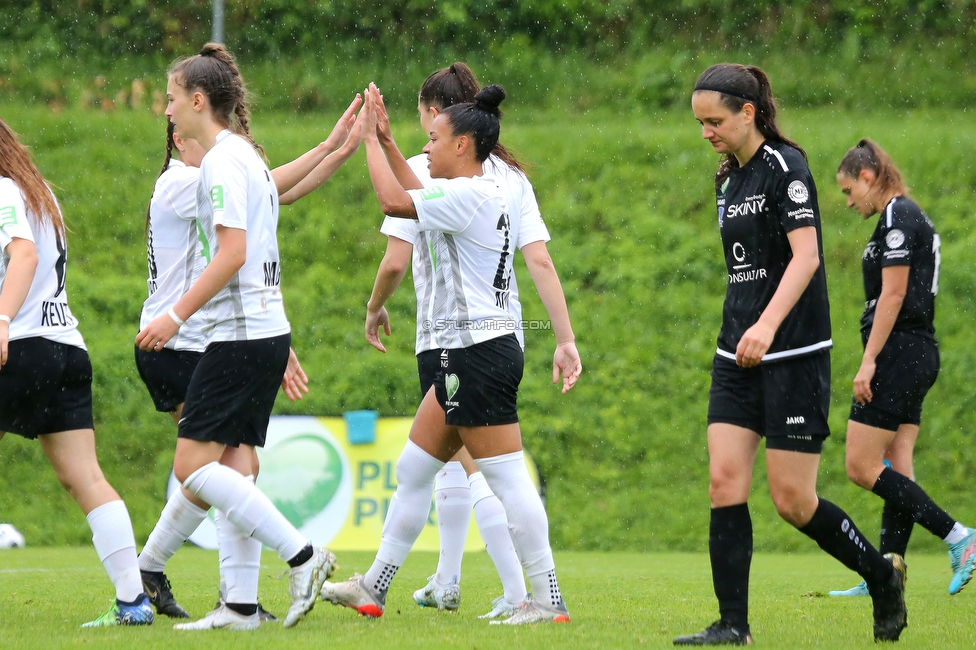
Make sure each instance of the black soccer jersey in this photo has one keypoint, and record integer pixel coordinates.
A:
(904, 237)
(758, 205)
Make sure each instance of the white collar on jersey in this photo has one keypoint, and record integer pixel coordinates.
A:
(223, 134)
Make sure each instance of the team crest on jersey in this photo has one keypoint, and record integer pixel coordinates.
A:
(798, 192)
(8, 216)
(895, 238)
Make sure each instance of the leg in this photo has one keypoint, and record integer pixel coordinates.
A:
(239, 554)
(896, 522)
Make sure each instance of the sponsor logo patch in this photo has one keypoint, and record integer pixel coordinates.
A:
(798, 192)
(895, 238)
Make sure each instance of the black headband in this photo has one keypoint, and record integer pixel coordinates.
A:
(726, 92)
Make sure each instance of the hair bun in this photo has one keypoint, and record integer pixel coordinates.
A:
(489, 97)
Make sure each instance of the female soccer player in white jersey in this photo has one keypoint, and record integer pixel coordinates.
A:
(460, 486)
(900, 266)
(481, 360)
(771, 372)
(233, 387)
(45, 372)
(174, 264)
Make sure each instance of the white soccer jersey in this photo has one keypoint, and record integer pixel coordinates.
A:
(173, 251)
(236, 191)
(474, 271)
(532, 229)
(45, 313)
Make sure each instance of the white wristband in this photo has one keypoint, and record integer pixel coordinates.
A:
(6, 319)
(176, 319)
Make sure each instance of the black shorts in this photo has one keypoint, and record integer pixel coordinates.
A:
(167, 375)
(45, 387)
(786, 401)
(479, 384)
(428, 366)
(233, 390)
(906, 369)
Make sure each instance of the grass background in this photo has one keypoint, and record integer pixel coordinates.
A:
(627, 198)
(617, 600)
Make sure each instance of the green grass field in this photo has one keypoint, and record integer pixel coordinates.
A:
(617, 600)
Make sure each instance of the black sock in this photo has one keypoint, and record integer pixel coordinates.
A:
(303, 556)
(896, 528)
(834, 532)
(243, 608)
(892, 486)
(730, 549)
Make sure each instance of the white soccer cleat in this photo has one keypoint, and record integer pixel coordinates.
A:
(532, 611)
(305, 582)
(442, 598)
(501, 608)
(222, 618)
(353, 594)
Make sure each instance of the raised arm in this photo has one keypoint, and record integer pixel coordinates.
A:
(408, 180)
(394, 200)
(16, 285)
(566, 359)
(389, 275)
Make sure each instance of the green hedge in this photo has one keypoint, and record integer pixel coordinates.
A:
(627, 197)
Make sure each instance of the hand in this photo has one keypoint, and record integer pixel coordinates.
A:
(566, 361)
(340, 133)
(370, 122)
(373, 321)
(862, 382)
(295, 381)
(754, 344)
(383, 131)
(4, 342)
(157, 333)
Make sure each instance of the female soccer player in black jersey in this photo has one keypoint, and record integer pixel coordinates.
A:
(901, 357)
(771, 373)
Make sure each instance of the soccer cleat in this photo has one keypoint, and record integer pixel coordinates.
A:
(962, 555)
(718, 633)
(442, 598)
(138, 613)
(223, 618)
(501, 608)
(532, 611)
(890, 613)
(266, 616)
(305, 583)
(354, 594)
(859, 590)
(160, 594)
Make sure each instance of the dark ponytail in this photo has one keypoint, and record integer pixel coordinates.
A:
(739, 85)
(170, 130)
(214, 72)
(868, 155)
(479, 118)
(456, 84)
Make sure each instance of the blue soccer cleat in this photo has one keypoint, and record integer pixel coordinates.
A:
(962, 556)
(138, 613)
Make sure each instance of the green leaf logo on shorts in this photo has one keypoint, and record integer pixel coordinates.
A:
(217, 197)
(432, 193)
(8, 216)
(451, 382)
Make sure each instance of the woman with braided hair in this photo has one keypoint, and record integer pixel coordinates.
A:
(771, 371)
(232, 389)
(46, 374)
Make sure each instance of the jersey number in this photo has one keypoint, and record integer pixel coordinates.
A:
(937, 251)
(501, 279)
(60, 265)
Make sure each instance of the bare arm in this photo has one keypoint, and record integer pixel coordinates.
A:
(394, 200)
(16, 285)
(566, 360)
(230, 257)
(894, 286)
(806, 260)
(388, 277)
(408, 180)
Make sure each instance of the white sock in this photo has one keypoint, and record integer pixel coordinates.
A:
(493, 526)
(240, 561)
(177, 522)
(452, 501)
(957, 534)
(509, 480)
(116, 547)
(247, 507)
(407, 516)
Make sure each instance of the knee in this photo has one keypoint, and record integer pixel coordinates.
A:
(795, 506)
(76, 479)
(725, 486)
(862, 473)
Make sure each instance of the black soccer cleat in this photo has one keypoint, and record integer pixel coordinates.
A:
(718, 633)
(890, 613)
(266, 616)
(158, 589)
